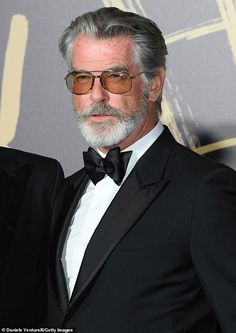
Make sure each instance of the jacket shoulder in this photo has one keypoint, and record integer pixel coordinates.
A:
(185, 161)
(11, 159)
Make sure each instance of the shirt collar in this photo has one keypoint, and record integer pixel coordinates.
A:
(139, 147)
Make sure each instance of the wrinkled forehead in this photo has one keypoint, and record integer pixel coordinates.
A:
(92, 53)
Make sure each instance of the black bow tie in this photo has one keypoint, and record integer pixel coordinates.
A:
(114, 164)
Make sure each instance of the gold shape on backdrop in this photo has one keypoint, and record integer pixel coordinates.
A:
(12, 78)
(227, 9)
(216, 146)
(130, 5)
(15, 54)
(226, 22)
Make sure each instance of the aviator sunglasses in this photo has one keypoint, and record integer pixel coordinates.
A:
(116, 82)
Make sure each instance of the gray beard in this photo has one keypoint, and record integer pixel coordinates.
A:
(108, 134)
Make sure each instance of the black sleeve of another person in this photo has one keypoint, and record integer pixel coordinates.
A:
(29, 184)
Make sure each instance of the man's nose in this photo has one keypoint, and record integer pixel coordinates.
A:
(98, 93)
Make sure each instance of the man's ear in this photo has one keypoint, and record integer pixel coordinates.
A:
(157, 84)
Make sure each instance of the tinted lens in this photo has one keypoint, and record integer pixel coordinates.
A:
(79, 84)
(116, 82)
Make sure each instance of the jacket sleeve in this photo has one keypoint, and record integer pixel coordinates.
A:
(213, 243)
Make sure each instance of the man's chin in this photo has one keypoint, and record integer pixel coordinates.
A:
(105, 133)
(101, 136)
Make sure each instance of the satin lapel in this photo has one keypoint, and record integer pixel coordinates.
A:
(143, 185)
(114, 225)
(14, 183)
(19, 179)
(13, 187)
(66, 206)
(17, 174)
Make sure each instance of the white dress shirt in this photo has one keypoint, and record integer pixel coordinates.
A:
(92, 206)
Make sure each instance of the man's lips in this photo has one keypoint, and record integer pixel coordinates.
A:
(100, 117)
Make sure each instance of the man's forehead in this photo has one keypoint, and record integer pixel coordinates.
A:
(90, 53)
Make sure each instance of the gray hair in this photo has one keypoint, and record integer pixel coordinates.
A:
(149, 45)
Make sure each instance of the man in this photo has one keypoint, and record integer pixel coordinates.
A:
(154, 250)
(29, 184)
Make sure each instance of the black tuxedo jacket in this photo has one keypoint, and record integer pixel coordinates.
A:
(28, 186)
(162, 259)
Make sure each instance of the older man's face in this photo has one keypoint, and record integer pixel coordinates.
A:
(107, 119)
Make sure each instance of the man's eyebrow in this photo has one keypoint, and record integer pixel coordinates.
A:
(78, 70)
(113, 68)
(118, 68)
